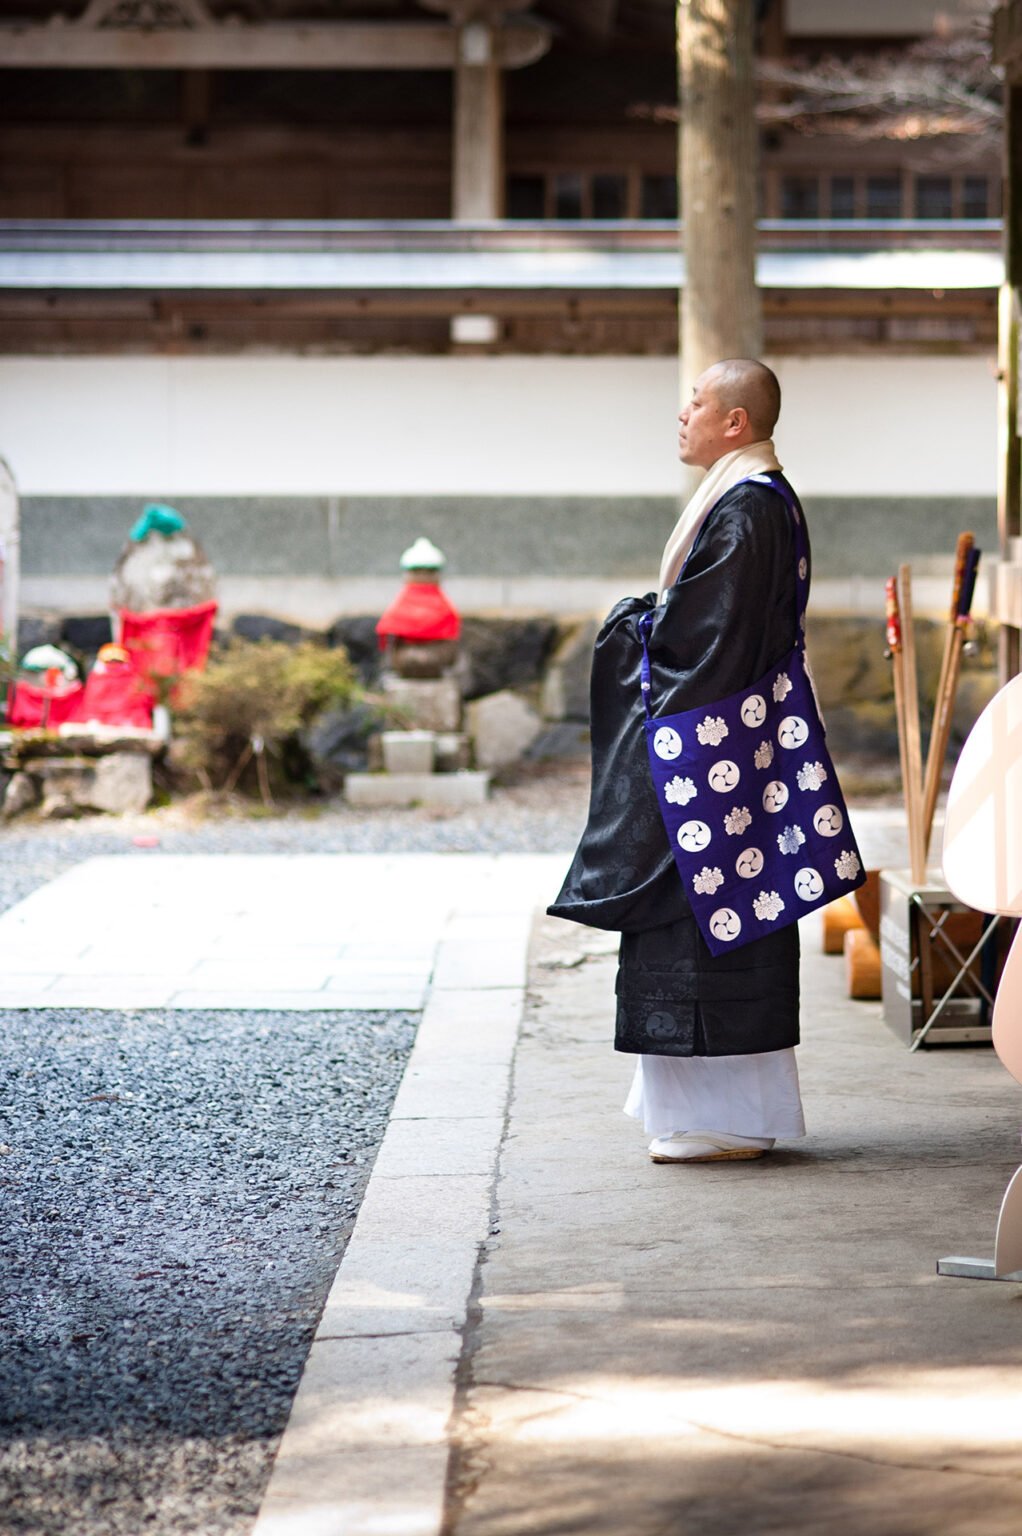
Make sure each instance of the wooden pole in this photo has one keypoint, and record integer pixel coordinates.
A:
(942, 707)
(478, 172)
(718, 177)
(1009, 465)
(951, 689)
(1009, 447)
(913, 752)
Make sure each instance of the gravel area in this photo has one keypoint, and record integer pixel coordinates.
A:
(176, 1190)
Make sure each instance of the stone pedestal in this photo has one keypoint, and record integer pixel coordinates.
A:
(121, 783)
(408, 751)
(430, 789)
(77, 770)
(425, 704)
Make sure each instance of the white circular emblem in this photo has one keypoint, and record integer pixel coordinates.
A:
(792, 731)
(828, 821)
(693, 836)
(666, 743)
(749, 864)
(808, 884)
(754, 710)
(775, 796)
(723, 775)
(725, 923)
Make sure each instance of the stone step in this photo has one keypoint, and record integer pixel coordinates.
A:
(441, 789)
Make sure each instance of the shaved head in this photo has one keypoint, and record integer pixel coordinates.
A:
(744, 382)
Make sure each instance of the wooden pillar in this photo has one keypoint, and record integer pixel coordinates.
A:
(10, 563)
(1009, 484)
(478, 169)
(718, 159)
(478, 126)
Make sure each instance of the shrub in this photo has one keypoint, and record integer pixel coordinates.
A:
(252, 701)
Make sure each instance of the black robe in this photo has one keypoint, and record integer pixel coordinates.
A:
(729, 618)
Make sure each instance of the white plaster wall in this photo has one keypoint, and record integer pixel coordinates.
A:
(905, 426)
(148, 426)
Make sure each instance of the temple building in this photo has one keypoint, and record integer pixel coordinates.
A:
(330, 274)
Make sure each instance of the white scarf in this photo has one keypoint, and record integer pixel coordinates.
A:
(753, 459)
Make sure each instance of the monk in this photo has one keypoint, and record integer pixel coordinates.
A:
(714, 1036)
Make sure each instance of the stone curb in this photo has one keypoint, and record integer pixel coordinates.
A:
(365, 1450)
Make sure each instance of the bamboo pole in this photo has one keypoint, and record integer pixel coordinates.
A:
(913, 749)
(935, 752)
(944, 710)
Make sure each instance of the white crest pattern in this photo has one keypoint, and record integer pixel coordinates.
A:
(679, 791)
(707, 881)
(828, 821)
(782, 686)
(811, 776)
(768, 906)
(764, 754)
(712, 731)
(803, 568)
(666, 743)
(725, 924)
(775, 796)
(736, 823)
(791, 839)
(846, 865)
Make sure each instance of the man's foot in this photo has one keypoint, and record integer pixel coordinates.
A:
(707, 1147)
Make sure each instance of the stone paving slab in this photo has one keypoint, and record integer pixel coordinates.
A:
(276, 932)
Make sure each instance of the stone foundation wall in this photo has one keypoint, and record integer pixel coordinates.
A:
(546, 659)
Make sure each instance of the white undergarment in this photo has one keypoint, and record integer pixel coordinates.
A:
(740, 1095)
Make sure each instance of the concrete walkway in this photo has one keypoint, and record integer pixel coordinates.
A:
(575, 1340)
(747, 1348)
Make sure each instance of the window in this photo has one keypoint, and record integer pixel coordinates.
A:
(800, 197)
(933, 197)
(975, 197)
(567, 195)
(526, 197)
(659, 199)
(610, 197)
(842, 197)
(883, 197)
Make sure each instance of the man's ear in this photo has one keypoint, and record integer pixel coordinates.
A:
(739, 420)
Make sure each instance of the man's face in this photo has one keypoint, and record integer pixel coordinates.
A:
(703, 425)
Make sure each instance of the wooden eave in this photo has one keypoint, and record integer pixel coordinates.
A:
(210, 44)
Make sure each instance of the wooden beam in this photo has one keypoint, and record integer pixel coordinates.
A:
(326, 45)
(1009, 448)
(1007, 39)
